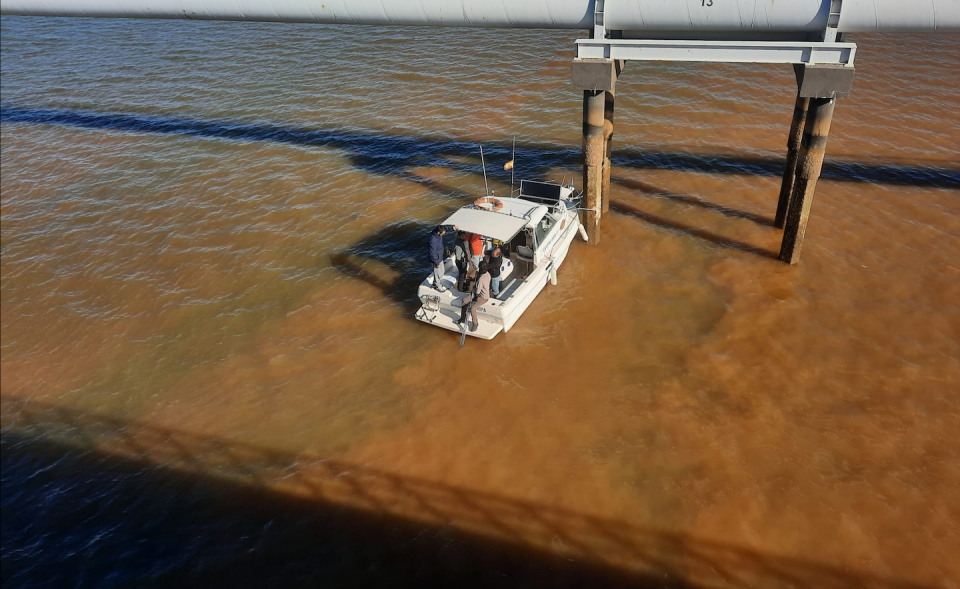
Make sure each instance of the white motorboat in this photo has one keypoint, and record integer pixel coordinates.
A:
(534, 229)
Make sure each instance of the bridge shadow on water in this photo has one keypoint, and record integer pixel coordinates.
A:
(399, 247)
(380, 153)
(94, 501)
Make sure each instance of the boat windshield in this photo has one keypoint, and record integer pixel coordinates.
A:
(543, 228)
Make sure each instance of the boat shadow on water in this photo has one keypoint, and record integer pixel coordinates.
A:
(95, 501)
(392, 259)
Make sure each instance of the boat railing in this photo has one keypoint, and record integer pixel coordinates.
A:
(575, 197)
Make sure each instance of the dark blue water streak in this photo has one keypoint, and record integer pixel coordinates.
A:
(379, 153)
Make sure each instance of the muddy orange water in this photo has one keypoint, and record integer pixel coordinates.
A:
(211, 239)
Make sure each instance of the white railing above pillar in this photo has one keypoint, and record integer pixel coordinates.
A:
(794, 52)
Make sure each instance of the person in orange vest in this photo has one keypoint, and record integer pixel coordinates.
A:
(476, 249)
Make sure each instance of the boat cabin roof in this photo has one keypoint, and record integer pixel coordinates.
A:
(501, 225)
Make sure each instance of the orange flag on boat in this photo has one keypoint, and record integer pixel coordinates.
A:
(508, 165)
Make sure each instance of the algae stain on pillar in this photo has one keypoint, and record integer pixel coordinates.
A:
(812, 149)
(608, 104)
(593, 155)
(793, 154)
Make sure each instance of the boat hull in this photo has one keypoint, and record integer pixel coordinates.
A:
(442, 309)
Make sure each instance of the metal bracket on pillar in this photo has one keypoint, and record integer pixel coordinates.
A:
(599, 31)
(824, 81)
(595, 74)
(833, 20)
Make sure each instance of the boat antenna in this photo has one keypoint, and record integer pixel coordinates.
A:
(486, 190)
(513, 159)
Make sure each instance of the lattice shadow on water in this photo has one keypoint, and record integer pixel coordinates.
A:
(95, 501)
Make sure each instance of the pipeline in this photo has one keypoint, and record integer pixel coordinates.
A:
(678, 16)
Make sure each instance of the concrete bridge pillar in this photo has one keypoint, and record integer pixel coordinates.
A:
(793, 153)
(813, 146)
(593, 152)
(597, 78)
(821, 85)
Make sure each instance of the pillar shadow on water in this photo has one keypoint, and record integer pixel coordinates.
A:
(95, 501)
(381, 153)
(655, 192)
(713, 238)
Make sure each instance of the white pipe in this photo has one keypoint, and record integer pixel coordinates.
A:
(900, 15)
(780, 15)
(717, 15)
(545, 14)
(627, 15)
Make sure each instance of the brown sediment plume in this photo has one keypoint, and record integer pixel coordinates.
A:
(235, 253)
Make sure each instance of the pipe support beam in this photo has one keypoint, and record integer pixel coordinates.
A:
(719, 51)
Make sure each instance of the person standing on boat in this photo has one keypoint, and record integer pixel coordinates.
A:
(436, 254)
(481, 294)
(495, 263)
(462, 257)
(476, 249)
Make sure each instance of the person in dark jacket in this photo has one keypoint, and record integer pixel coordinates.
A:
(435, 252)
(462, 257)
(494, 264)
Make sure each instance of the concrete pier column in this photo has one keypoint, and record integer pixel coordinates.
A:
(598, 79)
(821, 85)
(793, 152)
(813, 145)
(608, 103)
(593, 155)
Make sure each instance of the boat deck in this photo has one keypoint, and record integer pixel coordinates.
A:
(447, 319)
